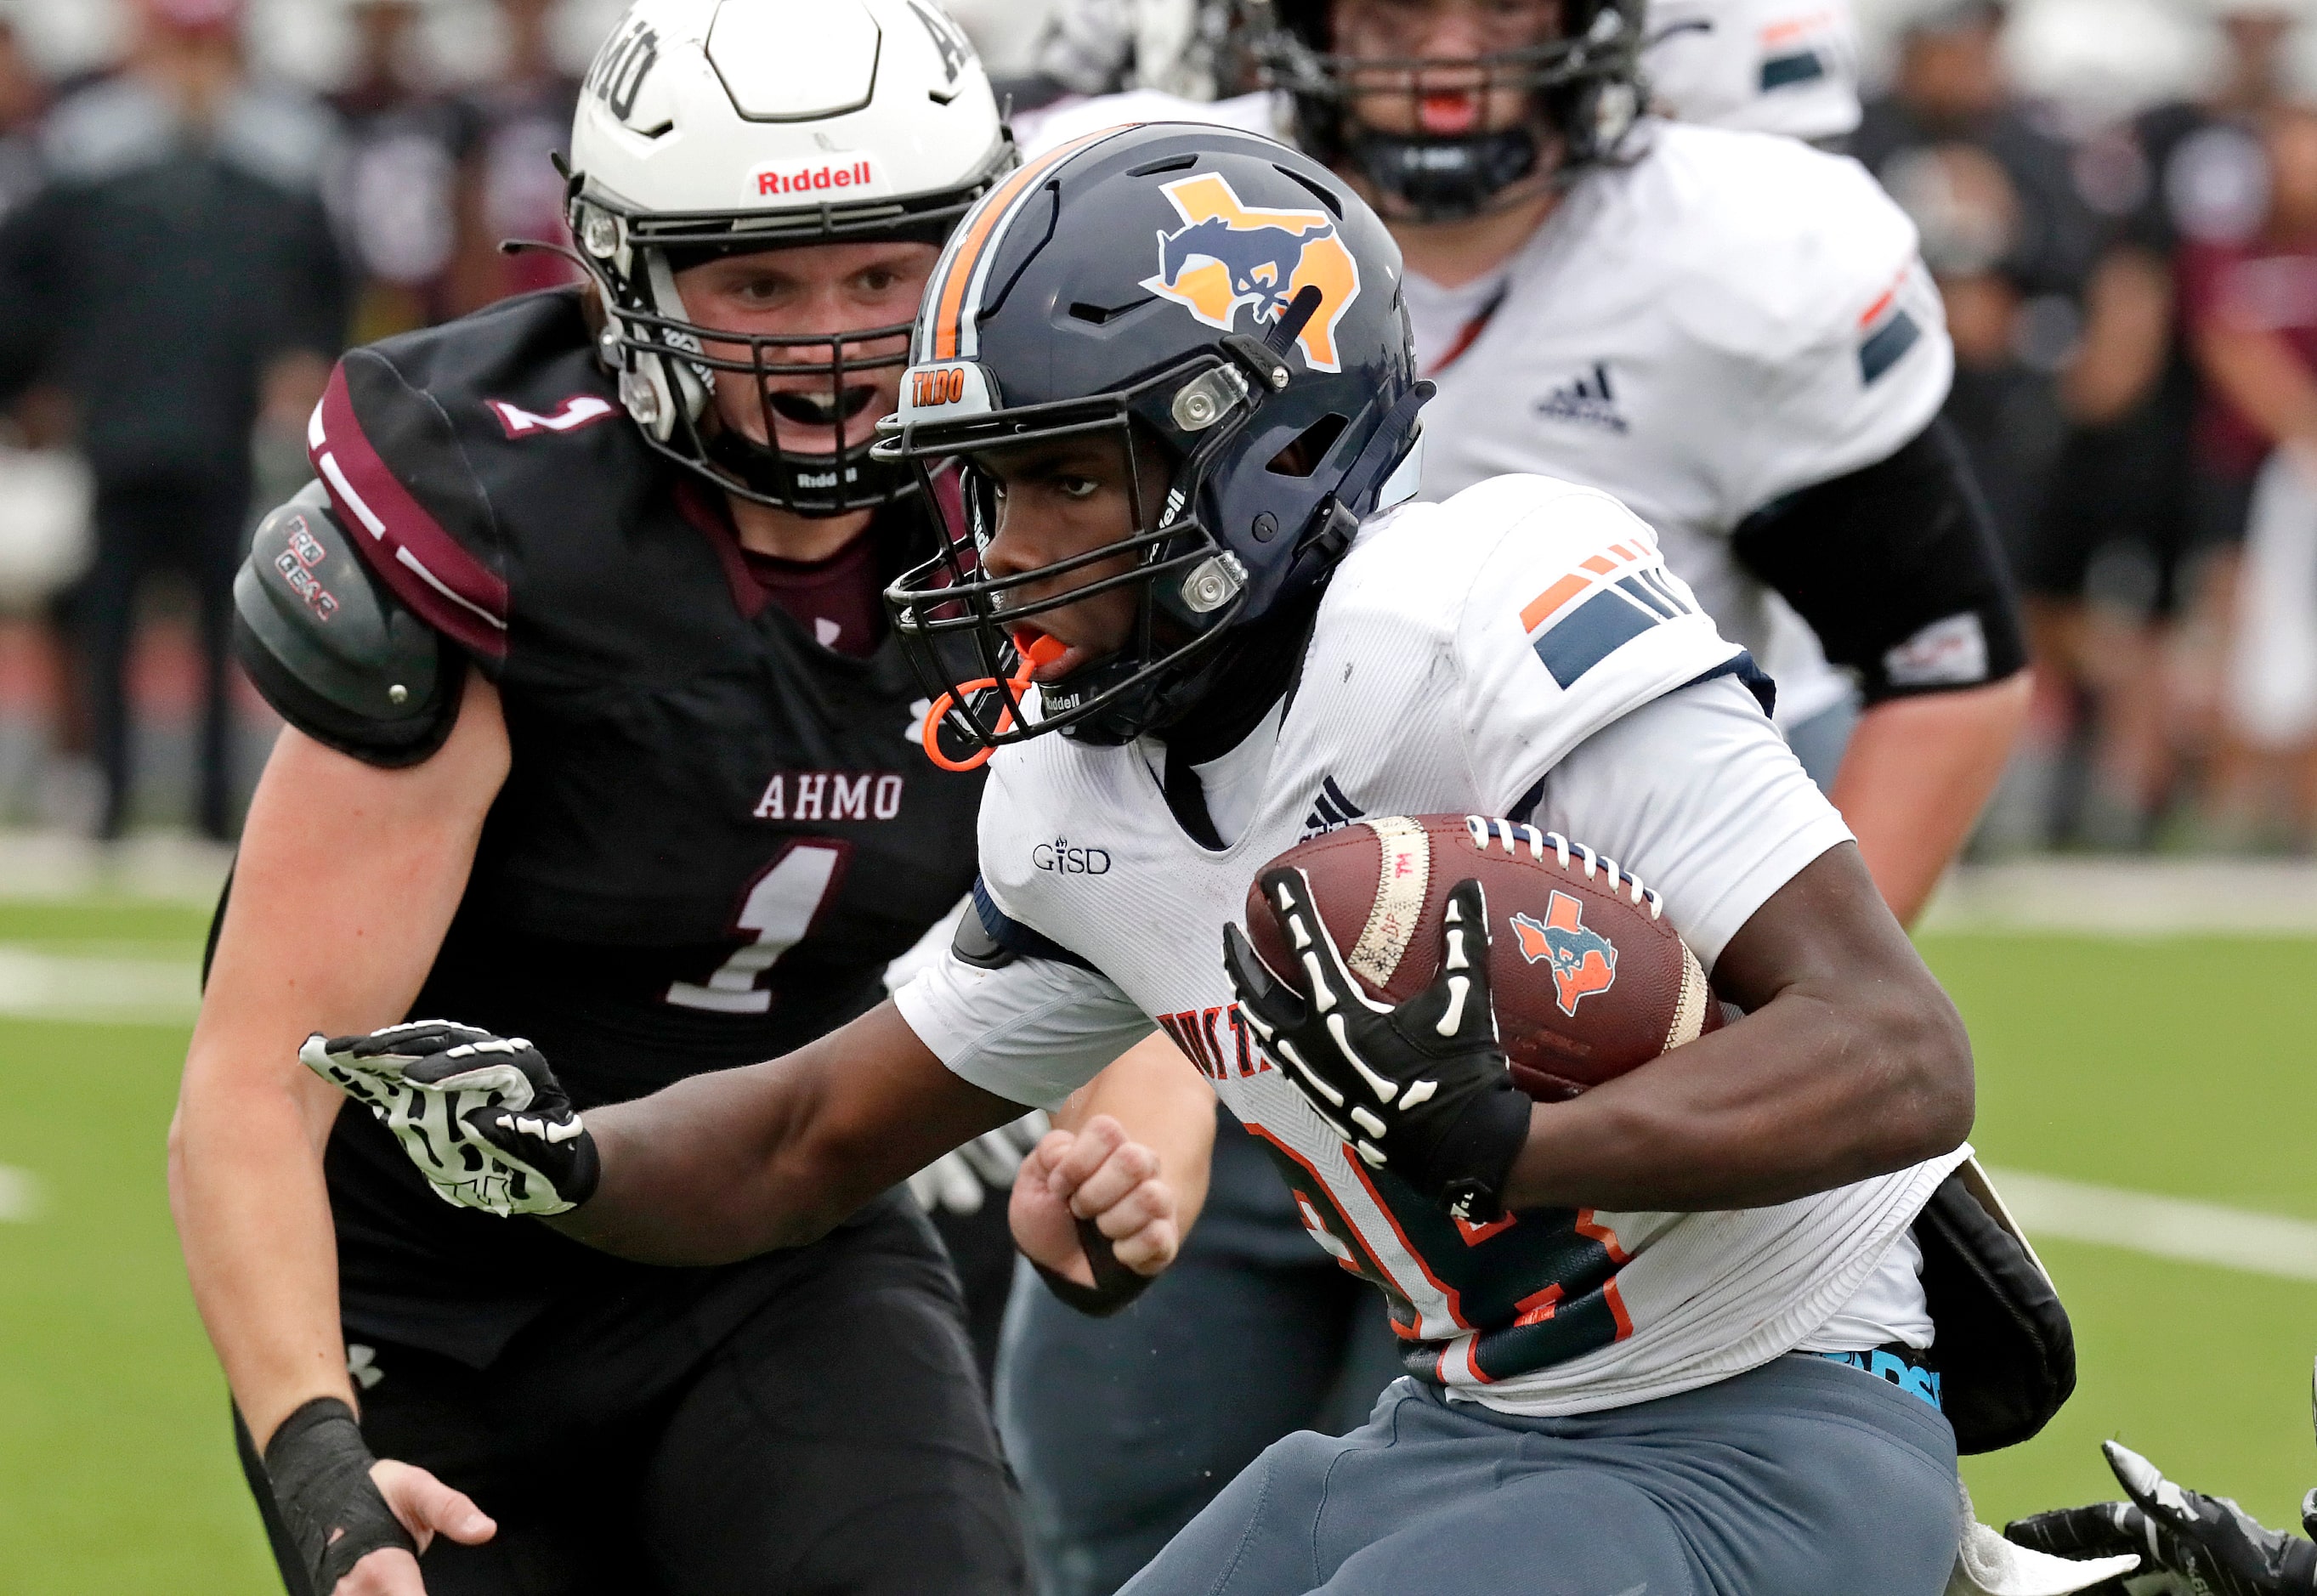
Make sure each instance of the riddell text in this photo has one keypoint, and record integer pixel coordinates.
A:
(817, 177)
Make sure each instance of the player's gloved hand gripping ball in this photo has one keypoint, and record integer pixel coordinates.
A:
(1422, 1087)
(2207, 1543)
(482, 1117)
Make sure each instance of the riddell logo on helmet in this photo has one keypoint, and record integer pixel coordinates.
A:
(1228, 256)
(821, 176)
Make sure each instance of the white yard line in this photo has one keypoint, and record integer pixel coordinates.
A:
(47, 867)
(2173, 1227)
(2138, 899)
(21, 1196)
(115, 990)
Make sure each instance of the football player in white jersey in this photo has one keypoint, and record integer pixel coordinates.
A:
(1730, 331)
(1641, 1325)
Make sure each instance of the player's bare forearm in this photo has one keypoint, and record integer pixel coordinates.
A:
(1850, 1063)
(346, 879)
(245, 1189)
(1917, 774)
(726, 1165)
(1164, 1104)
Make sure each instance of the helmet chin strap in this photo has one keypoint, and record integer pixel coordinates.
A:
(1446, 177)
(692, 384)
(796, 481)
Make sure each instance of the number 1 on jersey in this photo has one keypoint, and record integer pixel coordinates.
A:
(780, 908)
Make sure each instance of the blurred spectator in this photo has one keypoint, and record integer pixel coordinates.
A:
(177, 273)
(522, 122)
(404, 190)
(2005, 234)
(23, 96)
(2250, 307)
(2127, 590)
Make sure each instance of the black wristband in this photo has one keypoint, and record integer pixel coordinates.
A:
(1469, 1167)
(1115, 1285)
(319, 1466)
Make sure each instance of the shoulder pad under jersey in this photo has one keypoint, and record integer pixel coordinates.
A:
(333, 649)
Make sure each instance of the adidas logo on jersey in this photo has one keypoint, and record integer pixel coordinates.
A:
(1588, 401)
(1329, 810)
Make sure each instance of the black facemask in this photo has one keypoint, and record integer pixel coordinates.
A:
(807, 483)
(1444, 177)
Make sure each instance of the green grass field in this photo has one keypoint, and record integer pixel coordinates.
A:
(2183, 1068)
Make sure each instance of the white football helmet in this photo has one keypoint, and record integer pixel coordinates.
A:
(711, 127)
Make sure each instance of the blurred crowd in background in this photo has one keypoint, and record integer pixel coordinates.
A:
(201, 202)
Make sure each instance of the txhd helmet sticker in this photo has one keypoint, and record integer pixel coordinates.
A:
(1261, 371)
(714, 127)
(1548, 88)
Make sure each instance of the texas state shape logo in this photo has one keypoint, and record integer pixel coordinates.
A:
(1583, 962)
(1228, 256)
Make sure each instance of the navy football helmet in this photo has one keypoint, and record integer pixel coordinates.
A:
(1577, 64)
(1201, 289)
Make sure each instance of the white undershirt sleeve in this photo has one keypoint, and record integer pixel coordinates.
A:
(1033, 1031)
(1696, 794)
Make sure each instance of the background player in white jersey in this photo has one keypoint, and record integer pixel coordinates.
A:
(1174, 457)
(1785, 66)
(1730, 331)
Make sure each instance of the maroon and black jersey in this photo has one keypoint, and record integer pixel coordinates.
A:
(718, 829)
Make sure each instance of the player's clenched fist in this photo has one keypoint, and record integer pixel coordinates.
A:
(1091, 1211)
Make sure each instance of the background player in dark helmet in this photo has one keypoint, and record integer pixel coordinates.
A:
(1184, 504)
(1732, 334)
(596, 732)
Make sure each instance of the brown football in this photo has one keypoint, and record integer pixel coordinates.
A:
(1588, 978)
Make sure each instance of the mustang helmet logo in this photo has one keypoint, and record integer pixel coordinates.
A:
(1227, 256)
(1583, 961)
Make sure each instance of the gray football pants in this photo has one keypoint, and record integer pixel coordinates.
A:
(1802, 1478)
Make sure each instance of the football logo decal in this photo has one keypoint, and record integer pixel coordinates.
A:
(1583, 961)
(1226, 256)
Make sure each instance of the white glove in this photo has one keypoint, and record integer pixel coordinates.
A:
(482, 1117)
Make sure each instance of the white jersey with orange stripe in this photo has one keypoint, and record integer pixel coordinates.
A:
(1785, 66)
(1519, 651)
(1729, 318)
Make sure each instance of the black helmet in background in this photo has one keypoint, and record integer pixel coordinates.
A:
(1207, 291)
(1550, 87)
